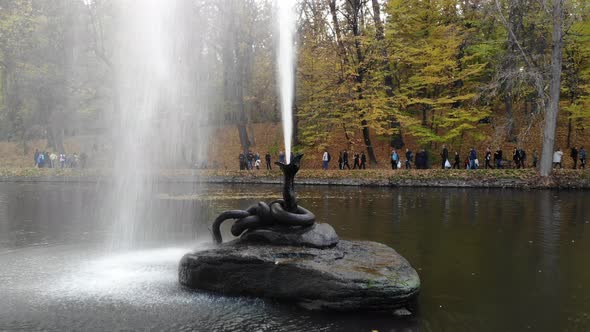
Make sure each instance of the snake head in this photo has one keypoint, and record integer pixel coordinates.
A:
(293, 167)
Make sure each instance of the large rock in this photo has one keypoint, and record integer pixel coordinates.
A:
(315, 236)
(348, 276)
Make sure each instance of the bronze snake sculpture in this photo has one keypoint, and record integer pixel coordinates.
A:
(279, 212)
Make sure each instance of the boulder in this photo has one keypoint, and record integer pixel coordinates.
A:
(316, 236)
(348, 276)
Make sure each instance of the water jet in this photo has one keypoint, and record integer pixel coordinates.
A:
(282, 253)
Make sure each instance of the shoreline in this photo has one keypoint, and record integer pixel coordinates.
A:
(436, 178)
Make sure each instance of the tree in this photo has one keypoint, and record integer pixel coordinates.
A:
(443, 93)
(397, 140)
(552, 109)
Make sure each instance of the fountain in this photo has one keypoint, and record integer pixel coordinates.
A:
(282, 253)
(286, 60)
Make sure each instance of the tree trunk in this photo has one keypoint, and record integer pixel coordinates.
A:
(510, 119)
(515, 17)
(552, 108)
(242, 122)
(337, 32)
(569, 130)
(355, 14)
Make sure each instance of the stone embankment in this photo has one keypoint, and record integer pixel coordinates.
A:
(509, 178)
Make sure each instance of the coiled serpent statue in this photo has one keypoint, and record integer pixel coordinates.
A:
(284, 211)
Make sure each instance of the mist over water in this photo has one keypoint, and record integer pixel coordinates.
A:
(160, 103)
(286, 67)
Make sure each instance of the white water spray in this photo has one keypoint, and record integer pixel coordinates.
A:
(156, 81)
(286, 63)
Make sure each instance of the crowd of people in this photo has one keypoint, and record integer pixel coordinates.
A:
(497, 159)
(491, 159)
(45, 159)
(249, 161)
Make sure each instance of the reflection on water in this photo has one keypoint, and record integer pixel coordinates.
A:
(489, 260)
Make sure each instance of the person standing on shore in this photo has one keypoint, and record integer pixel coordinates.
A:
(62, 160)
(535, 158)
(41, 160)
(268, 163)
(281, 157)
(557, 158)
(472, 158)
(325, 160)
(409, 157)
(418, 160)
(574, 155)
(257, 164)
(242, 160)
(250, 159)
(340, 161)
(356, 162)
(394, 159)
(444, 155)
(457, 163)
(522, 157)
(363, 160)
(53, 159)
(488, 158)
(498, 158)
(345, 160)
(516, 158)
(582, 156)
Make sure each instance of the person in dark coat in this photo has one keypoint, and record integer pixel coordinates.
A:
(488, 158)
(242, 162)
(457, 163)
(498, 158)
(363, 161)
(516, 158)
(345, 160)
(522, 157)
(268, 163)
(356, 161)
(574, 155)
(409, 158)
(582, 156)
(444, 155)
(472, 158)
(250, 160)
(418, 160)
(421, 160)
(340, 161)
(281, 157)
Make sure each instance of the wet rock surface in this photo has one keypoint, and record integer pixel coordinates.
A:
(316, 236)
(348, 276)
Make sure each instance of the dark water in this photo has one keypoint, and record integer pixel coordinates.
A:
(489, 260)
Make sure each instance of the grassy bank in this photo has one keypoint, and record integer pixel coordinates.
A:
(507, 178)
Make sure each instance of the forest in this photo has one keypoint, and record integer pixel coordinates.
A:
(429, 71)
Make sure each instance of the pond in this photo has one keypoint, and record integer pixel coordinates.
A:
(489, 260)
